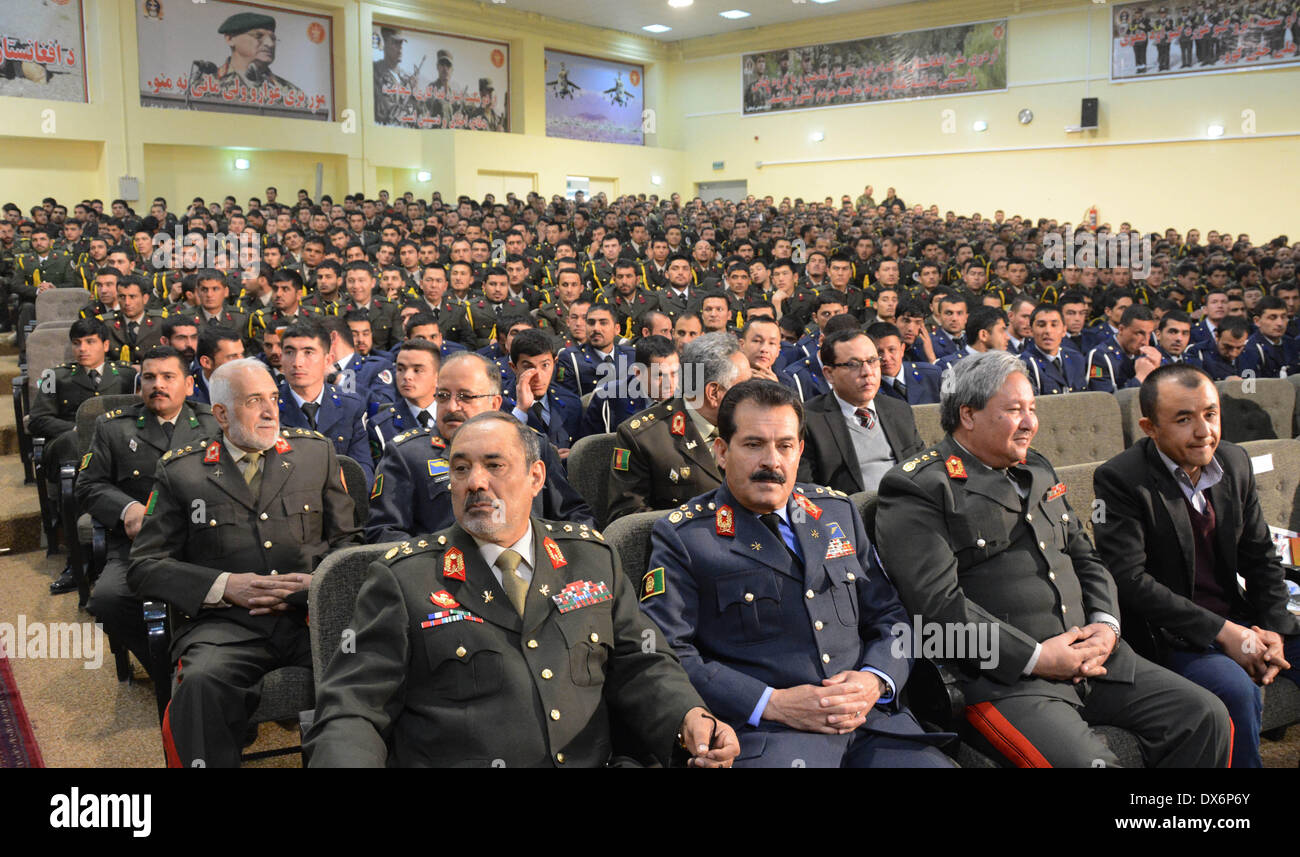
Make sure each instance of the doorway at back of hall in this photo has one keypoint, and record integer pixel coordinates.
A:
(733, 191)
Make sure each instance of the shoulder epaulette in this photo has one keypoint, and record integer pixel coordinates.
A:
(174, 454)
(560, 530)
(114, 414)
(405, 549)
(687, 512)
(926, 458)
(406, 435)
(302, 432)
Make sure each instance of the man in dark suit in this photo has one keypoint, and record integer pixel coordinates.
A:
(274, 505)
(1184, 607)
(988, 540)
(116, 476)
(795, 639)
(548, 408)
(532, 648)
(854, 436)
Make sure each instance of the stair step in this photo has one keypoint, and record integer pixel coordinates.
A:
(20, 515)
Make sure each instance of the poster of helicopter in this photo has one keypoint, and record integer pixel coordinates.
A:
(42, 50)
(429, 80)
(594, 99)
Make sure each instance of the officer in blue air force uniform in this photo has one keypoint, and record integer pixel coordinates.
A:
(1065, 373)
(772, 613)
(339, 418)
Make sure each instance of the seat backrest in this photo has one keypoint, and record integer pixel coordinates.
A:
(927, 423)
(1275, 396)
(91, 409)
(588, 466)
(1079, 492)
(1075, 428)
(358, 490)
(46, 347)
(865, 503)
(1295, 421)
(586, 400)
(60, 304)
(630, 537)
(333, 596)
(1129, 414)
(1279, 485)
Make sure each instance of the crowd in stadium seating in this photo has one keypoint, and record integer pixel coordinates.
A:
(388, 323)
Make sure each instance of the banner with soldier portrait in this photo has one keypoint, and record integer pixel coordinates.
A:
(428, 80)
(1168, 37)
(235, 57)
(924, 63)
(594, 99)
(42, 50)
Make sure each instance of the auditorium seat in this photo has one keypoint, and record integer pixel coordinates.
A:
(60, 304)
(927, 423)
(1129, 414)
(1295, 421)
(333, 596)
(1278, 487)
(1276, 397)
(630, 537)
(1075, 428)
(1079, 493)
(588, 468)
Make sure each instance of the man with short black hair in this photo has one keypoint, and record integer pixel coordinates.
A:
(581, 367)
(1222, 358)
(1125, 359)
(654, 379)
(1270, 353)
(914, 383)
(134, 329)
(986, 329)
(216, 346)
(1184, 606)
(1053, 368)
(415, 377)
(553, 411)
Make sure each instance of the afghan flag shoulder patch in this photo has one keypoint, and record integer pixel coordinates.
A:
(1096, 372)
(653, 583)
(622, 458)
(379, 486)
(153, 501)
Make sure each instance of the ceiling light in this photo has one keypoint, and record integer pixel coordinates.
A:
(656, 28)
(980, 125)
(423, 176)
(680, 4)
(733, 14)
(1215, 130)
(656, 180)
(817, 136)
(823, 2)
(241, 163)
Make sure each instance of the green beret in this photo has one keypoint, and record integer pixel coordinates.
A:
(245, 21)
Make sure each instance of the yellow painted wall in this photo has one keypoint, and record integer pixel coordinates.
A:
(1149, 162)
(1238, 182)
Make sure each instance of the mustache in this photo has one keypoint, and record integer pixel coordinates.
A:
(763, 474)
(477, 497)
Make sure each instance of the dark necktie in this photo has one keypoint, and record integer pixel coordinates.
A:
(423, 419)
(1056, 361)
(309, 410)
(773, 522)
(94, 378)
(866, 418)
(133, 330)
(168, 429)
(539, 414)
(901, 388)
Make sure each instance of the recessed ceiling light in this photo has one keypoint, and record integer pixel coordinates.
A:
(817, 136)
(423, 176)
(241, 163)
(823, 1)
(680, 4)
(1215, 130)
(980, 125)
(656, 28)
(734, 14)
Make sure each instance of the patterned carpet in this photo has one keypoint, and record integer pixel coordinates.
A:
(18, 747)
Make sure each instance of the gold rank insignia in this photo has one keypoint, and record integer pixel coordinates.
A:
(956, 469)
(653, 583)
(443, 599)
(213, 454)
(675, 518)
(910, 466)
(554, 553)
(453, 564)
(724, 521)
(282, 446)
(391, 553)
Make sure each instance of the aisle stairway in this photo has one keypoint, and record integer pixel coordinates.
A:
(20, 515)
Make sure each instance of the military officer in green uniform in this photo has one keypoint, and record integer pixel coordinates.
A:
(117, 475)
(506, 640)
(59, 393)
(232, 532)
(132, 328)
(664, 456)
(252, 41)
(977, 532)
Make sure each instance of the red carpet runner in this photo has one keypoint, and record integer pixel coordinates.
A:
(17, 743)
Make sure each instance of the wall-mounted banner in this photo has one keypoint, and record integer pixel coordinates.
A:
(42, 50)
(235, 57)
(923, 63)
(434, 80)
(1193, 37)
(594, 99)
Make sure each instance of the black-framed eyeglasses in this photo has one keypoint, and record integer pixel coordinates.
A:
(443, 397)
(856, 365)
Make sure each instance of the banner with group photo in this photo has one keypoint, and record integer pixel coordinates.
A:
(1191, 37)
(235, 57)
(42, 50)
(434, 80)
(923, 63)
(594, 99)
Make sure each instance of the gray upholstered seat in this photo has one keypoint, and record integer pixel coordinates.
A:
(630, 537)
(1075, 428)
(588, 470)
(60, 304)
(1275, 396)
(333, 597)
(927, 423)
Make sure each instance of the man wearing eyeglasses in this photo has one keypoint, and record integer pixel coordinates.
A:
(410, 494)
(854, 436)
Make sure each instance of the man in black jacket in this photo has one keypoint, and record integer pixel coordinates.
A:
(854, 436)
(1184, 605)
